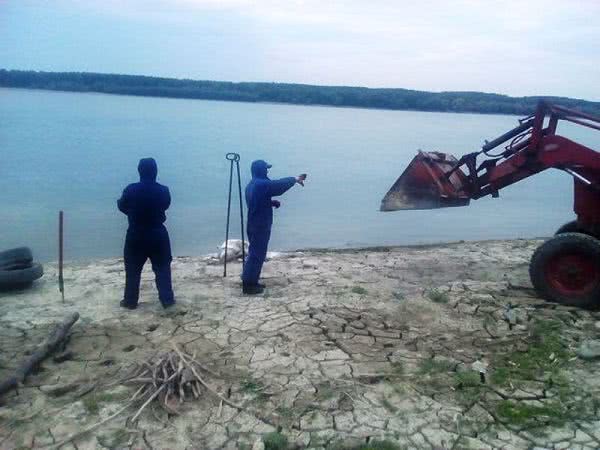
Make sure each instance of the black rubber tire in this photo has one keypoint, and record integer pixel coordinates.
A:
(20, 256)
(10, 279)
(566, 244)
(570, 227)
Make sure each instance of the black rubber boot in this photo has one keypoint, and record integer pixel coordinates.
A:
(124, 304)
(252, 289)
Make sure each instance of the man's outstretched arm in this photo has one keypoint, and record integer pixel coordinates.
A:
(281, 186)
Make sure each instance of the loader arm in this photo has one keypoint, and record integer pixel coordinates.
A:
(436, 180)
(554, 152)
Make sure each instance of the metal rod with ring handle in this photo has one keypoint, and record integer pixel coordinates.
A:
(234, 158)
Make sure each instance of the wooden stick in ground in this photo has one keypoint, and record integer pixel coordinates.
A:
(50, 344)
(61, 282)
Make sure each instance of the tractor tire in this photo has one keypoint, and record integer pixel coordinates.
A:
(16, 256)
(20, 277)
(570, 227)
(566, 269)
(574, 227)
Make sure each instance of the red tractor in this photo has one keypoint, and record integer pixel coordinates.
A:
(565, 268)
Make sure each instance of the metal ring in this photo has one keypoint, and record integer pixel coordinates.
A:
(232, 156)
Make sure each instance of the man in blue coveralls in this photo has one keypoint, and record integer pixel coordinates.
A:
(145, 204)
(259, 193)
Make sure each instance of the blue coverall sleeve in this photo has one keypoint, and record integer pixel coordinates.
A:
(279, 187)
(123, 202)
(166, 200)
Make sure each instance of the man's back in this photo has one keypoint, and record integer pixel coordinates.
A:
(145, 202)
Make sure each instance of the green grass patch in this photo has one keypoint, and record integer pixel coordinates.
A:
(388, 405)
(91, 405)
(286, 414)
(275, 441)
(543, 362)
(437, 296)
(544, 357)
(468, 387)
(398, 368)
(251, 386)
(255, 388)
(526, 415)
(469, 379)
(372, 445)
(398, 296)
(526, 387)
(92, 402)
(325, 391)
(435, 366)
(435, 375)
(359, 290)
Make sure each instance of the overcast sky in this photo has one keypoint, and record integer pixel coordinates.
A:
(520, 47)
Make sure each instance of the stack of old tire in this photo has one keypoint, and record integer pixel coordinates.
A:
(17, 268)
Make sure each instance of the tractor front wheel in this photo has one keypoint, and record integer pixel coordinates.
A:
(570, 227)
(566, 269)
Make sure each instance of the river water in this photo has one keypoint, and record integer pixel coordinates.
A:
(76, 152)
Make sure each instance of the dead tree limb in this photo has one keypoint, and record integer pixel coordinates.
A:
(58, 335)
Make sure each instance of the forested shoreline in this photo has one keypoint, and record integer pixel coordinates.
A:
(300, 94)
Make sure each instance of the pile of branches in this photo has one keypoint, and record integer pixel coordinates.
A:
(170, 379)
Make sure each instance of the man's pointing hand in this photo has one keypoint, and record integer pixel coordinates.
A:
(300, 179)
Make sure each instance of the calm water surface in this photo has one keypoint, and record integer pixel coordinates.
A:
(77, 152)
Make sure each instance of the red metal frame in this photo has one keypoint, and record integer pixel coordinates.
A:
(535, 148)
(438, 180)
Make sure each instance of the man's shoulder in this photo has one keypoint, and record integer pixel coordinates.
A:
(162, 187)
(131, 187)
(260, 182)
(142, 185)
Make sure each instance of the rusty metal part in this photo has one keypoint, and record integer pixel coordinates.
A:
(428, 182)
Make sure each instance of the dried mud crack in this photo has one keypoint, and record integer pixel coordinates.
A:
(442, 347)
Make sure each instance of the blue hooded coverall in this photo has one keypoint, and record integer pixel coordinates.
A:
(145, 204)
(260, 217)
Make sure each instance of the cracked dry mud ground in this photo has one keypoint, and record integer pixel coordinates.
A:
(345, 347)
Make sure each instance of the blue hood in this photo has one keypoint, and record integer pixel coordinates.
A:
(259, 169)
(147, 169)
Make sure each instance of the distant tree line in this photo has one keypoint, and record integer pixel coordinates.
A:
(302, 94)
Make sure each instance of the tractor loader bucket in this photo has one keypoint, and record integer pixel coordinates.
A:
(425, 184)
